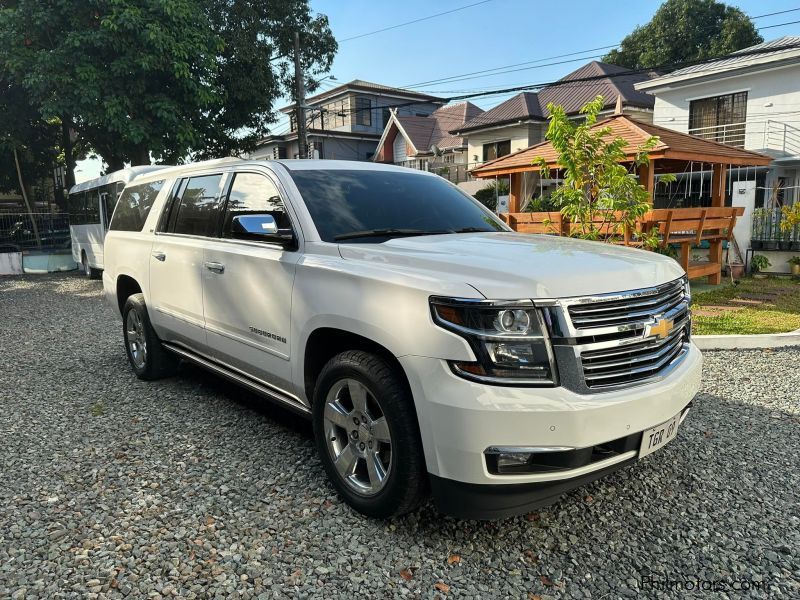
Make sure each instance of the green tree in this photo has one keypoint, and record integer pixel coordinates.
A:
(598, 193)
(685, 30)
(167, 79)
(25, 138)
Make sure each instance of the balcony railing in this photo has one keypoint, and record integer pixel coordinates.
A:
(454, 172)
(782, 137)
(732, 134)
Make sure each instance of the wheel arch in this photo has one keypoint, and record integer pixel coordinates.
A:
(324, 343)
(127, 286)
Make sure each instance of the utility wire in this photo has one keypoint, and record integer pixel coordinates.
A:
(489, 73)
(666, 68)
(447, 12)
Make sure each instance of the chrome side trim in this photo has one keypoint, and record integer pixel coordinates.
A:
(526, 449)
(260, 387)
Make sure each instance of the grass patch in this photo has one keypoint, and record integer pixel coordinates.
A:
(775, 307)
(98, 409)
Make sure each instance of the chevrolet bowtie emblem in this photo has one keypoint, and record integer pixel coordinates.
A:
(661, 328)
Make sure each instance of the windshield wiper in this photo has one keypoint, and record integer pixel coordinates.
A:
(387, 233)
(473, 230)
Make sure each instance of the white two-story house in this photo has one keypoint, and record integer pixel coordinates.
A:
(750, 101)
(346, 122)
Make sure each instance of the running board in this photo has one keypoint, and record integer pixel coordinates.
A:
(252, 384)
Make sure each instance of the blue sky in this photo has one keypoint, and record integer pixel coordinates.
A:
(491, 34)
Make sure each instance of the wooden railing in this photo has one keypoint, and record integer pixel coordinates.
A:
(683, 227)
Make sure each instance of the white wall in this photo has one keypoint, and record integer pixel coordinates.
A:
(779, 87)
(521, 137)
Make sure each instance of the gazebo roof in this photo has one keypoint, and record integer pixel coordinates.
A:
(672, 145)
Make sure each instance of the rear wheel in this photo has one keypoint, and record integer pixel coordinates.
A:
(89, 271)
(367, 435)
(148, 358)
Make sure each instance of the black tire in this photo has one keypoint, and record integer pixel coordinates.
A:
(406, 484)
(89, 271)
(155, 361)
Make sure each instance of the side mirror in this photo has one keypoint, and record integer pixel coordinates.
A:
(262, 228)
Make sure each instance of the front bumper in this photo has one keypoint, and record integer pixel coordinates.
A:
(460, 419)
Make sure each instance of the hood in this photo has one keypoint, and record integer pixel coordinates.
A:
(515, 265)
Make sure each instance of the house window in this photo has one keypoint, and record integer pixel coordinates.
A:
(496, 150)
(386, 114)
(719, 118)
(363, 111)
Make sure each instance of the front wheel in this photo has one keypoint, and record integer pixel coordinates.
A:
(148, 358)
(367, 435)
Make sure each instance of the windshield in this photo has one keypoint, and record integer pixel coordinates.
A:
(373, 206)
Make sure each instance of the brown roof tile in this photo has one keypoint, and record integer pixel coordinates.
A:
(672, 144)
(425, 132)
(611, 81)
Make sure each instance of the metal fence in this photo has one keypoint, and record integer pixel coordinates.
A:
(767, 233)
(34, 231)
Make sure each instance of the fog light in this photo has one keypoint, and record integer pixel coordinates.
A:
(507, 460)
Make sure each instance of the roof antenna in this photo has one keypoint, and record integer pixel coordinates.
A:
(618, 107)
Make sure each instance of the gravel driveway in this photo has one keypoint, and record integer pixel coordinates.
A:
(189, 487)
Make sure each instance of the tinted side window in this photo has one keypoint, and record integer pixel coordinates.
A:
(198, 209)
(134, 205)
(254, 194)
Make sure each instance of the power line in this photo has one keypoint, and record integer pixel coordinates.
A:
(780, 12)
(778, 25)
(666, 67)
(444, 79)
(447, 12)
(498, 70)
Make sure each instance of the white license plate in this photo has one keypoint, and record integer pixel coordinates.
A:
(658, 436)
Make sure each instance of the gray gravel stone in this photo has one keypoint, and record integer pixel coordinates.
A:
(192, 488)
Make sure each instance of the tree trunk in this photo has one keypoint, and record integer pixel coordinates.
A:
(25, 198)
(66, 143)
(141, 156)
(114, 163)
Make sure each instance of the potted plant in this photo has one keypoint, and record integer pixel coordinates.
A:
(737, 270)
(795, 245)
(771, 233)
(757, 237)
(758, 263)
(794, 263)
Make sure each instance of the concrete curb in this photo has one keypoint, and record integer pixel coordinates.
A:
(734, 342)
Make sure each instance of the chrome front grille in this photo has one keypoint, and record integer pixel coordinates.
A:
(626, 309)
(632, 362)
(622, 339)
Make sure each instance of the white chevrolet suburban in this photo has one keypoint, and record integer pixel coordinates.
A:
(434, 349)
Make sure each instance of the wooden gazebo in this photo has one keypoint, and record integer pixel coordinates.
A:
(674, 153)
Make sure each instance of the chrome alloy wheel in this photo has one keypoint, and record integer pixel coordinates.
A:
(357, 435)
(137, 343)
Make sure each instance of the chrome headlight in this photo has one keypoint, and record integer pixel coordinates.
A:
(509, 339)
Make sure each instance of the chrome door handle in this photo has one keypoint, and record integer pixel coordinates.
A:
(160, 256)
(215, 267)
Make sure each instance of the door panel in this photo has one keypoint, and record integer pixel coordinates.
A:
(248, 308)
(247, 287)
(176, 261)
(176, 290)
